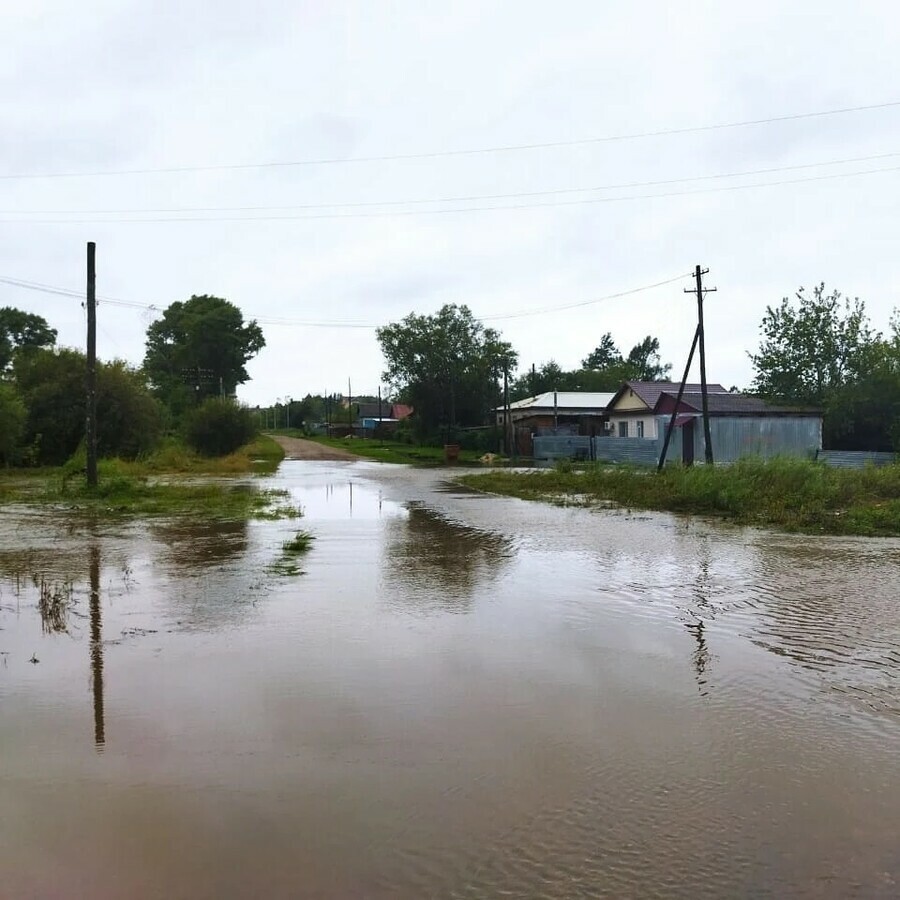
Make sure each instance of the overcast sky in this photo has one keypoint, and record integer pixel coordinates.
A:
(110, 85)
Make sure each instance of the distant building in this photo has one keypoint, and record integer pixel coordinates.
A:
(580, 412)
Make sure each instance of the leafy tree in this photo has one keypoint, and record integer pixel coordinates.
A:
(811, 347)
(447, 366)
(51, 384)
(199, 349)
(644, 362)
(19, 329)
(604, 356)
(12, 423)
(821, 351)
(603, 370)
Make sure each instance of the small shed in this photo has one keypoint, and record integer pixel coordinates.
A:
(740, 425)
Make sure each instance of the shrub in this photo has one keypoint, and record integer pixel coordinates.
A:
(218, 427)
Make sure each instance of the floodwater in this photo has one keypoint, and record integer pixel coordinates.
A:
(459, 696)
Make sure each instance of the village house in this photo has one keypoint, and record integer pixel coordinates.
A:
(576, 412)
(631, 410)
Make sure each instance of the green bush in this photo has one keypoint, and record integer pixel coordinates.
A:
(218, 427)
(12, 424)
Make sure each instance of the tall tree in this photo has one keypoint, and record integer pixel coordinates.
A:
(20, 329)
(447, 366)
(810, 346)
(198, 349)
(645, 363)
(605, 355)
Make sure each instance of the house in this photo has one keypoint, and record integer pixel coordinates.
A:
(631, 410)
(578, 412)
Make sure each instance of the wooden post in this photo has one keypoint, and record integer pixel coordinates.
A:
(671, 425)
(91, 379)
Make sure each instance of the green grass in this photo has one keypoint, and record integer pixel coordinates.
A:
(299, 543)
(159, 485)
(793, 495)
(261, 456)
(287, 565)
(394, 451)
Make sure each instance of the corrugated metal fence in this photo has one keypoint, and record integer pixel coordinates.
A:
(855, 459)
(638, 451)
(562, 446)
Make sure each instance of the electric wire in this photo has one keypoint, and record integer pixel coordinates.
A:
(463, 198)
(288, 322)
(435, 154)
(462, 209)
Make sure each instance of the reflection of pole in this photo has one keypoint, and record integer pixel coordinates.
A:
(96, 648)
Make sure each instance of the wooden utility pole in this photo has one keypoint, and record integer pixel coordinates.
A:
(699, 290)
(506, 442)
(91, 379)
(671, 425)
(350, 406)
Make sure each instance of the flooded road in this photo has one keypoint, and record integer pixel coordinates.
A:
(459, 696)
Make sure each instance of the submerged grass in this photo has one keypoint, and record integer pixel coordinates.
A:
(794, 495)
(287, 563)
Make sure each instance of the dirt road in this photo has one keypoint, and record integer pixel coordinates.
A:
(297, 448)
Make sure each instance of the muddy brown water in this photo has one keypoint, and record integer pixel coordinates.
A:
(461, 696)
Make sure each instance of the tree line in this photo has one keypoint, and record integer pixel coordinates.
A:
(816, 349)
(195, 358)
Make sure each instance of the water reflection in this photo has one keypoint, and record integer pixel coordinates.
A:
(197, 545)
(432, 563)
(96, 647)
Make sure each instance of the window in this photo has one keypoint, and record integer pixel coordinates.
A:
(623, 429)
(640, 428)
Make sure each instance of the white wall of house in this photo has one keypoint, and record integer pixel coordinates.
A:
(633, 424)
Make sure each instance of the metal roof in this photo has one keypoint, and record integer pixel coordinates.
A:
(649, 391)
(585, 400)
(737, 404)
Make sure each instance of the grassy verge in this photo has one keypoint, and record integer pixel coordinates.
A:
(159, 485)
(261, 456)
(792, 495)
(394, 451)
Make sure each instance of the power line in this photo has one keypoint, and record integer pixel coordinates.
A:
(456, 199)
(462, 209)
(506, 148)
(268, 320)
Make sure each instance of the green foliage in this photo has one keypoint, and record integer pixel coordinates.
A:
(793, 494)
(199, 349)
(603, 370)
(22, 330)
(810, 347)
(218, 427)
(51, 384)
(821, 351)
(447, 366)
(12, 423)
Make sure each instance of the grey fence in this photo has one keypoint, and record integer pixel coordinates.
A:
(562, 447)
(639, 451)
(855, 459)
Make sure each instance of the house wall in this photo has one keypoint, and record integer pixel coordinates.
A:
(629, 400)
(644, 415)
